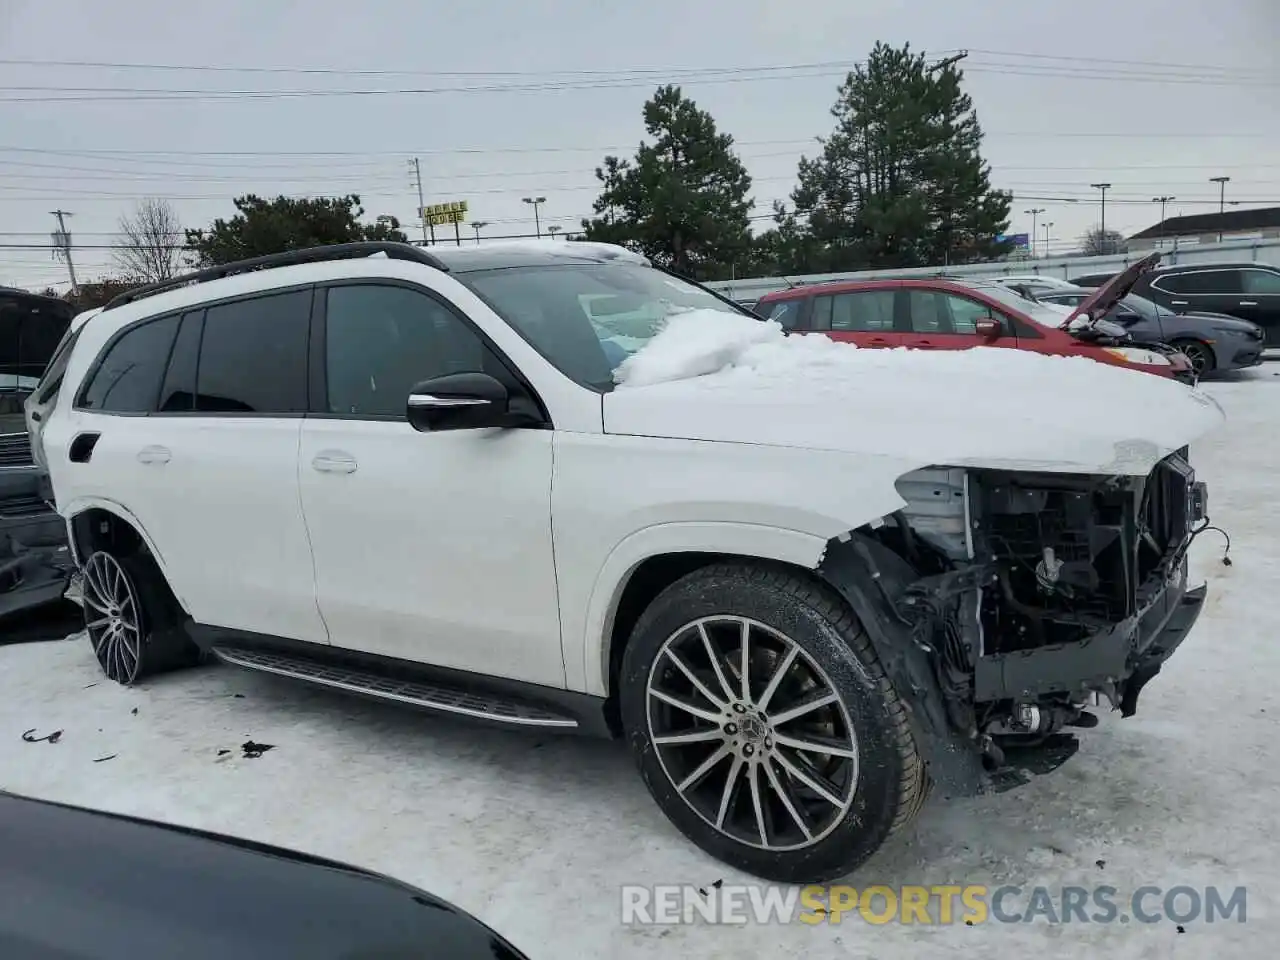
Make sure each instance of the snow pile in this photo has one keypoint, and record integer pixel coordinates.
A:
(695, 343)
(717, 376)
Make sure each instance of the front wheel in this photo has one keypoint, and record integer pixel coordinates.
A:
(764, 725)
(1200, 355)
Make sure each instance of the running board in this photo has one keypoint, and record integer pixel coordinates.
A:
(418, 693)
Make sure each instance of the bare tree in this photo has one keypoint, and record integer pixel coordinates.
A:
(1098, 242)
(151, 245)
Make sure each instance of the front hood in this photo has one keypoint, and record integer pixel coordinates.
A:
(1112, 292)
(1225, 320)
(983, 407)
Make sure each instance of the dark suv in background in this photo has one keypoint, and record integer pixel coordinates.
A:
(1250, 291)
(35, 566)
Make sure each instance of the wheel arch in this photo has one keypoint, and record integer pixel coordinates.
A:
(649, 560)
(84, 533)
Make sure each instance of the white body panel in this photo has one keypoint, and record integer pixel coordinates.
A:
(505, 552)
(435, 547)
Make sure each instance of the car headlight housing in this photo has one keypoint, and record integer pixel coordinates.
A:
(1137, 355)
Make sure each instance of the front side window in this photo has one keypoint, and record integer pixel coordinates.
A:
(1261, 281)
(785, 312)
(586, 318)
(127, 380)
(253, 356)
(381, 340)
(870, 311)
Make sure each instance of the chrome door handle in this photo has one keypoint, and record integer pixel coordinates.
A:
(333, 461)
(1179, 303)
(154, 454)
(1248, 303)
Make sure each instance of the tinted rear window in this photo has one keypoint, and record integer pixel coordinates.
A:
(253, 355)
(127, 380)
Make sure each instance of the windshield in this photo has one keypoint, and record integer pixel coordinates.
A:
(586, 318)
(1039, 312)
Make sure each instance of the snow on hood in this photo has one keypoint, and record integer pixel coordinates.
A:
(709, 375)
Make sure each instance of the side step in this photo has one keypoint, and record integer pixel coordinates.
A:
(413, 692)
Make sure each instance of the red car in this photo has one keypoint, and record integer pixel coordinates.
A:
(939, 314)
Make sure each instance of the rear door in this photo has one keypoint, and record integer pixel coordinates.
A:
(868, 318)
(191, 423)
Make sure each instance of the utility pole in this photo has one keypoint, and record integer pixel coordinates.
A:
(62, 245)
(1035, 212)
(1222, 200)
(943, 64)
(422, 206)
(1102, 232)
(479, 225)
(1162, 201)
(536, 201)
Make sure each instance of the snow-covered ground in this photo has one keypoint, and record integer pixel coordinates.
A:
(536, 834)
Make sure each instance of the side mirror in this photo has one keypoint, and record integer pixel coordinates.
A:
(988, 327)
(458, 401)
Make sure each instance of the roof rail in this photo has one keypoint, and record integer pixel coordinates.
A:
(288, 258)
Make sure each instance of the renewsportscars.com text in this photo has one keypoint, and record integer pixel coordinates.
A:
(938, 904)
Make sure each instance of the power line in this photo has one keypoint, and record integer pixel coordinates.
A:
(618, 80)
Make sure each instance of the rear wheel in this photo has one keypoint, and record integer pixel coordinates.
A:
(130, 618)
(1199, 354)
(764, 726)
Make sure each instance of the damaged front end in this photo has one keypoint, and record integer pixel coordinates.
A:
(1005, 604)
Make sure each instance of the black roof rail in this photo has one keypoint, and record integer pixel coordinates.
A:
(288, 258)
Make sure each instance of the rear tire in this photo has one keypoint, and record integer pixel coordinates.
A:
(799, 775)
(133, 623)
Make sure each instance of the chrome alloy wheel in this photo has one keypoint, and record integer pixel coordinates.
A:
(112, 618)
(751, 733)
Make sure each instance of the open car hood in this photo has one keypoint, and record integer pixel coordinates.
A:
(1112, 292)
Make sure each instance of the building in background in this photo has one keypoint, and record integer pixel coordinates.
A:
(1258, 224)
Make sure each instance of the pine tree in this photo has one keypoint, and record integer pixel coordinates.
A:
(901, 180)
(684, 199)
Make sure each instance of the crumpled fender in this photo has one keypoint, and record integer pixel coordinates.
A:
(868, 574)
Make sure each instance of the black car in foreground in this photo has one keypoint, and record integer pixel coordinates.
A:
(1213, 342)
(78, 884)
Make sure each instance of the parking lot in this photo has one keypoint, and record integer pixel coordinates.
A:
(536, 834)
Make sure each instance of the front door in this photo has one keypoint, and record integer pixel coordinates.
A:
(429, 547)
(868, 318)
(948, 321)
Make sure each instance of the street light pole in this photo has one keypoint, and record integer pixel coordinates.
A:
(479, 225)
(1035, 212)
(1222, 200)
(1104, 187)
(1162, 201)
(1046, 237)
(536, 202)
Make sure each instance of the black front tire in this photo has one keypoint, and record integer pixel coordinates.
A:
(890, 784)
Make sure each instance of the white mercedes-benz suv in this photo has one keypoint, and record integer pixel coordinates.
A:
(553, 486)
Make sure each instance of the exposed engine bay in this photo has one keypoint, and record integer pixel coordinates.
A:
(1038, 596)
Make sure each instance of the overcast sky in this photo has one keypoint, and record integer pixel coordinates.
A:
(1154, 97)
